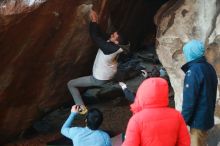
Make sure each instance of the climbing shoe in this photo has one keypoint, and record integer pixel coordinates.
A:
(82, 110)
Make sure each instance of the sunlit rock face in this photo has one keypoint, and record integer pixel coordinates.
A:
(180, 21)
(9, 7)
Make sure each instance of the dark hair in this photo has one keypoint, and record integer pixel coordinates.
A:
(155, 72)
(94, 118)
(122, 39)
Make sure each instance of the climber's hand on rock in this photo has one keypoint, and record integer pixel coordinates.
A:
(93, 16)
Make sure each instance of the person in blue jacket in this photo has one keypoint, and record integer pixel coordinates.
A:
(89, 135)
(199, 92)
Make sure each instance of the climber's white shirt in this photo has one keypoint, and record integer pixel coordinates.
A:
(105, 66)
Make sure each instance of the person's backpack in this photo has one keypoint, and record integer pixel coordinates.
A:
(128, 68)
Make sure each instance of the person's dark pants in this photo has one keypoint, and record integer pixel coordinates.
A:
(86, 81)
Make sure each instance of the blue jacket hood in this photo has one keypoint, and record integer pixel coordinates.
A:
(193, 49)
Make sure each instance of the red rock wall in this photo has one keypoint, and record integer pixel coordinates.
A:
(40, 51)
(45, 45)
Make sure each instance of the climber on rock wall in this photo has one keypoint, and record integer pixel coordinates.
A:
(105, 65)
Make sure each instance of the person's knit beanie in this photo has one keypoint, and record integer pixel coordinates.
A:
(193, 49)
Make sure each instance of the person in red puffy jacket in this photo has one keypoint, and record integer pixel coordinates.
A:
(153, 123)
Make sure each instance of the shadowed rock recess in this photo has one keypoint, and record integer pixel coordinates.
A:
(45, 43)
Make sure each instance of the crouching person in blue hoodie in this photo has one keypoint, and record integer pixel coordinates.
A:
(199, 92)
(89, 135)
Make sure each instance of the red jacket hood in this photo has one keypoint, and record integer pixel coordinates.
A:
(152, 92)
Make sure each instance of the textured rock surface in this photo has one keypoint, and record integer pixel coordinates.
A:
(180, 21)
(41, 49)
(10, 7)
(45, 43)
